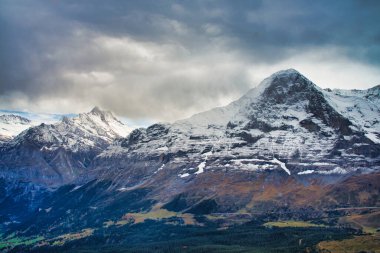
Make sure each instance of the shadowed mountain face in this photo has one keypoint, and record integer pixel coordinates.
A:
(285, 145)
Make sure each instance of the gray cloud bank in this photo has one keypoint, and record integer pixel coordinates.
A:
(165, 60)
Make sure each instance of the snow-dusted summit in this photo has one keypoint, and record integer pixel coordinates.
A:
(95, 129)
(58, 153)
(286, 123)
(11, 125)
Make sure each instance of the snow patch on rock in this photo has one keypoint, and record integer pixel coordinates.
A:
(282, 165)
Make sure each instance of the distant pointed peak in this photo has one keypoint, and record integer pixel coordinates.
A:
(97, 110)
(103, 114)
(14, 117)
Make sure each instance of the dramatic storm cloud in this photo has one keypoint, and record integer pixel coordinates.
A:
(165, 60)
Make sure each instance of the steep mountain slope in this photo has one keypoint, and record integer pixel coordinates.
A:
(56, 154)
(359, 106)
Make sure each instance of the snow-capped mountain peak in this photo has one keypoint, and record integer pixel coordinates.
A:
(11, 118)
(104, 115)
(284, 88)
(286, 122)
(103, 123)
(11, 125)
(256, 92)
(96, 110)
(95, 129)
(61, 151)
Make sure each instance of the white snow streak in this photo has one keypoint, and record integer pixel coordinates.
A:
(282, 165)
(162, 166)
(306, 172)
(184, 175)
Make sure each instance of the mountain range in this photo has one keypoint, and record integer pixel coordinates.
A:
(287, 148)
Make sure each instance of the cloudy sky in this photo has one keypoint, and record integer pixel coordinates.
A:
(165, 60)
